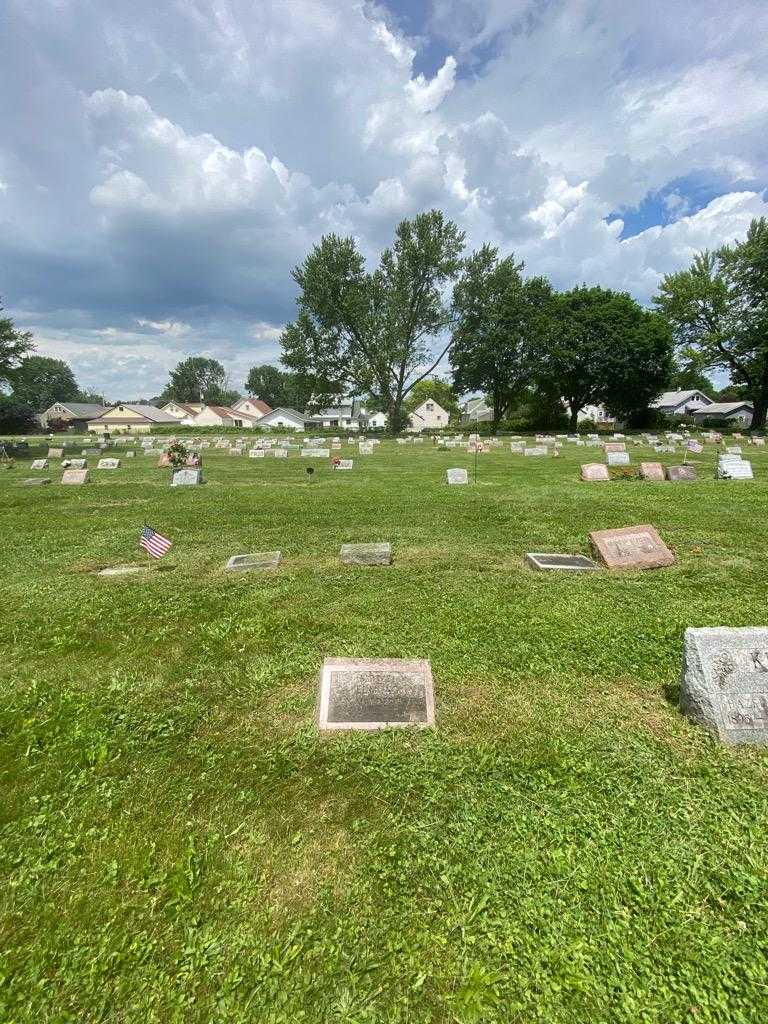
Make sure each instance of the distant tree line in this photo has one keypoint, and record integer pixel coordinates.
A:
(381, 333)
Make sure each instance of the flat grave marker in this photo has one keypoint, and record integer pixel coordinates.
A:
(35, 481)
(373, 694)
(680, 474)
(109, 464)
(724, 682)
(122, 570)
(344, 464)
(186, 477)
(542, 562)
(39, 464)
(366, 554)
(256, 560)
(632, 547)
(74, 476)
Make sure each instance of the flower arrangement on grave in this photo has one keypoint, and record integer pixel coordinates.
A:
(623, 473)
(336, 462)
(177, 454)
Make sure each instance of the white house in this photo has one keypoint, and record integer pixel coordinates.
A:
(222, 416)
(738, 412)
(129, 417)
(681, 403)
(596, 413)
(476, 410)
(346, 416)
(428, 416)
(282, 417)
(76, 415)
(252, 406)
(182, 410)
(377, 420)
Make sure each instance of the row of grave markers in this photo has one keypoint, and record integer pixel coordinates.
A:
(724, 688)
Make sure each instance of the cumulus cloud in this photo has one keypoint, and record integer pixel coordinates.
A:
(159, 180)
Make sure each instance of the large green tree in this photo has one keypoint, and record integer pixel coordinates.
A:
(199, 379)
(40, 381)
(16, 417)
(14, 345)
(603, 347)
(375, 333)
(719, 308)
(500, 322)
(278, 388)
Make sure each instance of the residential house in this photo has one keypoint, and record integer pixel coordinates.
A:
(76, 415)
(345, 416)
(476, 410)
(377, 420)
(252, 406)
(282, 417)
(222, 416)
(129, 418)
(595, 413)
(737, 412)
(428, 416)
(182, 410)
(681, 403)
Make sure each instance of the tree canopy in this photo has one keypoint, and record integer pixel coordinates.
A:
(374, 333)
(199, 379)
(278, 388)
(40, 381)
(603, 347)
(14, 345)
(500, 322)
(718, 308)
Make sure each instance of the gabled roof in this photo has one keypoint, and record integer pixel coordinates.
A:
(723, 408)
(148, 412)
(288, 412)
(227, 413)
(190, 408)
(675, 398)
(80, 410)
(261, 406)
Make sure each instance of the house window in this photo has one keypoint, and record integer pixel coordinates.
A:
(238, 423)
(430, 407)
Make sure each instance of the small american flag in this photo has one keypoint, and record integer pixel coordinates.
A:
(695, 446)
(154, 543)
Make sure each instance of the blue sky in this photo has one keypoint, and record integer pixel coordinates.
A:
(161, 175)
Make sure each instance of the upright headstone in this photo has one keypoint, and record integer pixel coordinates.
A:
(537, 450)
(456, 476)
(724, 683)
(55, 453)
(733, 468)
(594, 472)
(256, 453)
(366, 554)
(78, 463)
(633, 547)
(375, 694)
(651, 471)
(343, 464)
(617, 458)
(613, 447)
(108, 464)
(39, 464)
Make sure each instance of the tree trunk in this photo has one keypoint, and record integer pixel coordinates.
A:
(574, 419)
(760, 403)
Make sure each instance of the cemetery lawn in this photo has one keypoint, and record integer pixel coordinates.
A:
(179, 844)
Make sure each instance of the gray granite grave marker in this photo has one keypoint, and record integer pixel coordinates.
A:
(567, 563)
(456, 476)
(257, 560)
(186, 477)
(366, 554)
(74, 476)
(375, 694)
(724, 683)
(678, 474)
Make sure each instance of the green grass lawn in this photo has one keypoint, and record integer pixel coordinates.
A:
(178, 843)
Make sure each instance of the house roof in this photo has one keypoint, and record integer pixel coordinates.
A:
(81, 410)
(675, 398)
(261, 406)
(294, 413)
(723, 408)
(227, 413)
(148, 412)
(191, 408)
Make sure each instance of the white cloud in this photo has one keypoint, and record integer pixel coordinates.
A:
(161, 179)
